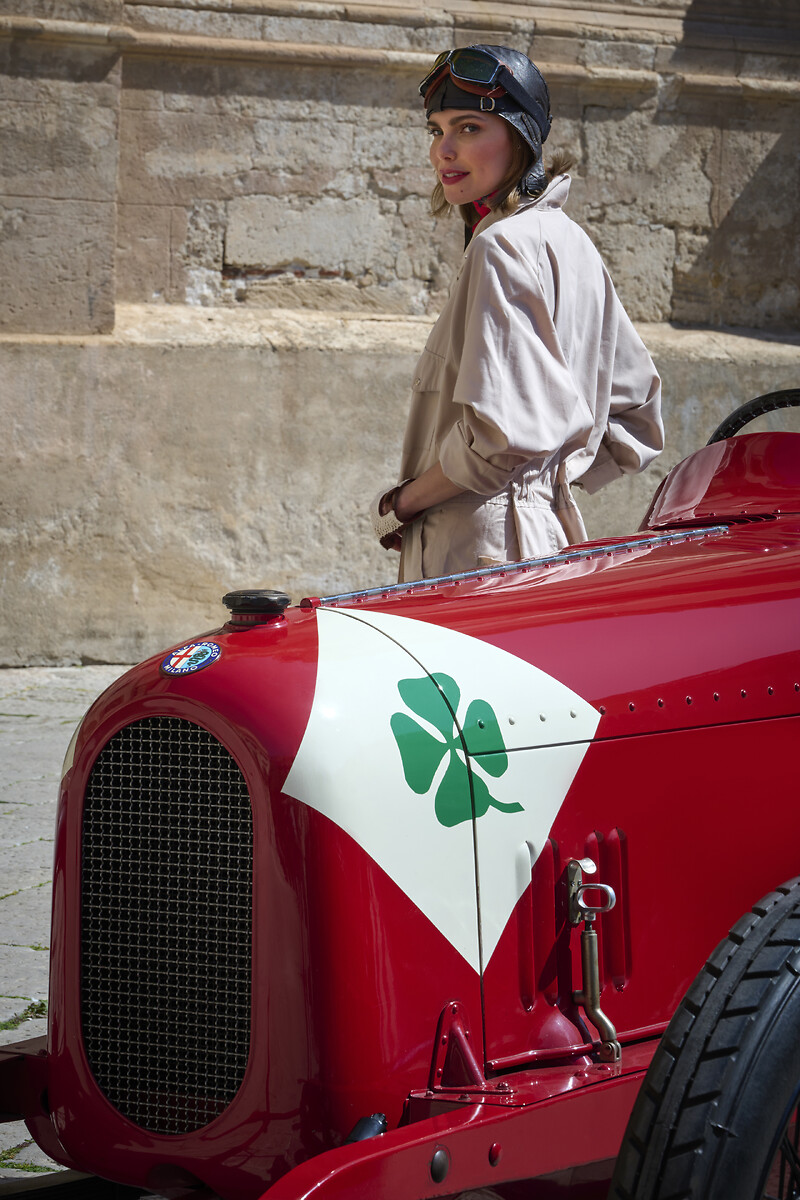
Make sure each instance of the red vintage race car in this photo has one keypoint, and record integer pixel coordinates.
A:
(405, 893)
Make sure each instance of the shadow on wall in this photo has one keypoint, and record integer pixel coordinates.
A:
(746, 271)
(768, 16)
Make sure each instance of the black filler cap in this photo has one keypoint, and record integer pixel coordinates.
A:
(254, 607)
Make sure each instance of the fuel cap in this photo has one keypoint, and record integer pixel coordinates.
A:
(255, 607)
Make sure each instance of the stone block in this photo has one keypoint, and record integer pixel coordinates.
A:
(566, 133)
(399, 30)
(656, 171)
(618, 54)
(646, 294)
(407, 179)
(400, 142)
(752, 167)
(29, 865)
(716, 58)
(58, 150)
(21, 1155)
(427, 35)
(26, 920)
(755, 247)
(143, 252)
(53, 699)
(57, 265)
(329, 235)
(110, 11)
(290, 92)
(198, 22)
(46, 73)
(722, 191)
(311, 152)
(175, 157)
(713, 285)
(780, 63)
(562, 48)
(58, 179)
(204, 235)
(22, 969)
(19, 821)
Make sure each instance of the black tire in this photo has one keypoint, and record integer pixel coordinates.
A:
(724, 1082)
(770, 402)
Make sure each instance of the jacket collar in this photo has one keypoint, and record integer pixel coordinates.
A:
(553, 197)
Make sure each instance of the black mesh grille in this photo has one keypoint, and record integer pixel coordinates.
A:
(166, 924)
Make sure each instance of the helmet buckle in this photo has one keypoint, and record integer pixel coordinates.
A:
(487, 103)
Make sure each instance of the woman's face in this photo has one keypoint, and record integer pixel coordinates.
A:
(471, 153)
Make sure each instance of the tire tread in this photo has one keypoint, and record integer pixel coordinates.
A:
(661, 1157)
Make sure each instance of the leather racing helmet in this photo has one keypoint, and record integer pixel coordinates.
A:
(495, 79)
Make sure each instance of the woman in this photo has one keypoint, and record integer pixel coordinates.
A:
(533, 377)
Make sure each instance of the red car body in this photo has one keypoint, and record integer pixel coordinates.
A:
(373, 925)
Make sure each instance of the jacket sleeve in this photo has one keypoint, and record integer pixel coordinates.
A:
(507, 373)
(634, 432)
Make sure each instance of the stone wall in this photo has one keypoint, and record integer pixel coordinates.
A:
(276, 182)
(59, 106)
(272, 153)
(219, 266)
(148, 473)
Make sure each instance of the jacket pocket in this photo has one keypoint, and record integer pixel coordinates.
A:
(428, 372)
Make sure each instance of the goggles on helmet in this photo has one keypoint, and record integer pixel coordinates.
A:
(479, 70)
(467, 66)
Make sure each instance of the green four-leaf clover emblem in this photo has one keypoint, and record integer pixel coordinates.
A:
(422, 751)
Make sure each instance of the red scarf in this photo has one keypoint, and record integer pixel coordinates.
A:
(482, 210)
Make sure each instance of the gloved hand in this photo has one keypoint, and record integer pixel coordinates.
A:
(388, 528)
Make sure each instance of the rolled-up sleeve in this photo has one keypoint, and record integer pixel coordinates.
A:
(634, 432)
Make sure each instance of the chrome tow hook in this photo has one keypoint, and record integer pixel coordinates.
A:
(581, 910)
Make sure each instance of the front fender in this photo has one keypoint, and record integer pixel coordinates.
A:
(481, 1143)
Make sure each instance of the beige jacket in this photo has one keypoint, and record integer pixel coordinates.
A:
(533, 378)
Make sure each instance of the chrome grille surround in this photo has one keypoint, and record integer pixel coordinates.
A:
(166, 924)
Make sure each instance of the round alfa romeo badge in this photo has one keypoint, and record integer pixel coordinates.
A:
(190, 658)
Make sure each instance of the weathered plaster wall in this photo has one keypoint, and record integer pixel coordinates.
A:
(218, 268)
(148, 473)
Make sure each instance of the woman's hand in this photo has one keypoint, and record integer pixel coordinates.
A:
(393, 541)
(387, 525)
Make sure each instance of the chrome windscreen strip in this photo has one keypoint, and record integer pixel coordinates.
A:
(519, 568)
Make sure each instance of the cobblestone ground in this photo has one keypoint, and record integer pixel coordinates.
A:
(39, 709)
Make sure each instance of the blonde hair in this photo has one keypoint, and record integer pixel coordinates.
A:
(509, 194)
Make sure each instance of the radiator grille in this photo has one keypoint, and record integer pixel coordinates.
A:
(166, 918)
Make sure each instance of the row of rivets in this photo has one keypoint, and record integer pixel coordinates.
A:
(513, 720)
(689, 700)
